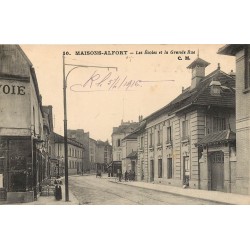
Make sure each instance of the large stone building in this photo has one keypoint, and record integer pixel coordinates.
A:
(23, 141)
(191, 140)
(242, 55)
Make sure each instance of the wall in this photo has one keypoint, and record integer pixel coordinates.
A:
(128, 146)
(117, 150)
(242, 128)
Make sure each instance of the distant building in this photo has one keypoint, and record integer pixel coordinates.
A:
(103, 155)
(92, 154)
(83, 138)
(118, 134)
(75, 156)
(242, 172)
(129, 152)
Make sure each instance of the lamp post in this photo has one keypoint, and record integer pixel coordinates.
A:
(75, 66)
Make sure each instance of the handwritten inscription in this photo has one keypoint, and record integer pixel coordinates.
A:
(108, 82)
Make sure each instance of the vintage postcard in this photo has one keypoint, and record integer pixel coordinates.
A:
(124, 124)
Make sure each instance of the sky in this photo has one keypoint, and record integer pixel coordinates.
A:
(138, 80)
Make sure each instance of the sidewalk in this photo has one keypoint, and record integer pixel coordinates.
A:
(50, 200)
(227, 198)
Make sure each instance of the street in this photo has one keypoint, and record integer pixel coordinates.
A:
(90, 190)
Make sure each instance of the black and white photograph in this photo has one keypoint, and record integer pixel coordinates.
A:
(124, 124)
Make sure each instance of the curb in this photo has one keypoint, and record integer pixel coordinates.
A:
(224, 201)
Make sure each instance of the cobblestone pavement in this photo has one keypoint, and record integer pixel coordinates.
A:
(100, 191)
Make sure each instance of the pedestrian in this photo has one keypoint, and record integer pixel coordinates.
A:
(58, 192)
(126, 175)
(130, 175)
(120, 176)
(133, 175)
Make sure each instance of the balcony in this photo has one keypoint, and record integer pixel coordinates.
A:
(151, 148)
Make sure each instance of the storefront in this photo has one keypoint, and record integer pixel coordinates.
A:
(21, 169)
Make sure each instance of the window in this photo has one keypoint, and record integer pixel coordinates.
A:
(247, 68)
(118, 142)
(169, 168)
(169, 134)
(159, 168)
(185, 130)
(118, 156)
(142, 142)
(69, 151)
(219, 124)
(151, 138)
(159, 136)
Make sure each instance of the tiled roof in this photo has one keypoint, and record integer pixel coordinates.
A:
(132, 155)
(201, 95)
(215, 138)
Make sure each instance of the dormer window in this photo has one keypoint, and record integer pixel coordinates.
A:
(215, 88)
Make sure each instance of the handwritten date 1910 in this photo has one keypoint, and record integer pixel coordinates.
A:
(98, 82)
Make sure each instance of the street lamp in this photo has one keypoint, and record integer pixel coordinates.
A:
(75, 66)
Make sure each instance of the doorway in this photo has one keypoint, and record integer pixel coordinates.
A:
(217, 171)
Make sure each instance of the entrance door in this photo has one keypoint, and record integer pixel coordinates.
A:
(152, 171)
(186, 172)
(217, 171)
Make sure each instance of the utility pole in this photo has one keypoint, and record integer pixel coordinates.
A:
(65, 134)
(65, 117)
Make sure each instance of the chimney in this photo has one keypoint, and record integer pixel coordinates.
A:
(182, 89)
(198, 67)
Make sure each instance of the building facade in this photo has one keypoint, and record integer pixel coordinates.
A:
(118, 134)
(129, 146)
(83, 138)
(75, 156)
(242, 56)
(23, 142)
(191, 141)
(103, 155)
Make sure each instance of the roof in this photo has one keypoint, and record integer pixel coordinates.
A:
(230, 49)
(60, 139)
(131, 136)
(102, 143)
(133, 154)
(125, 128)
(198, 62)
(200, 96)
(216, 138)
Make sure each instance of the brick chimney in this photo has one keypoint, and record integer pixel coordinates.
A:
(198, 67)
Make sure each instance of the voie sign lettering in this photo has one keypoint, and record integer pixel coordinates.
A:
(12, 89)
